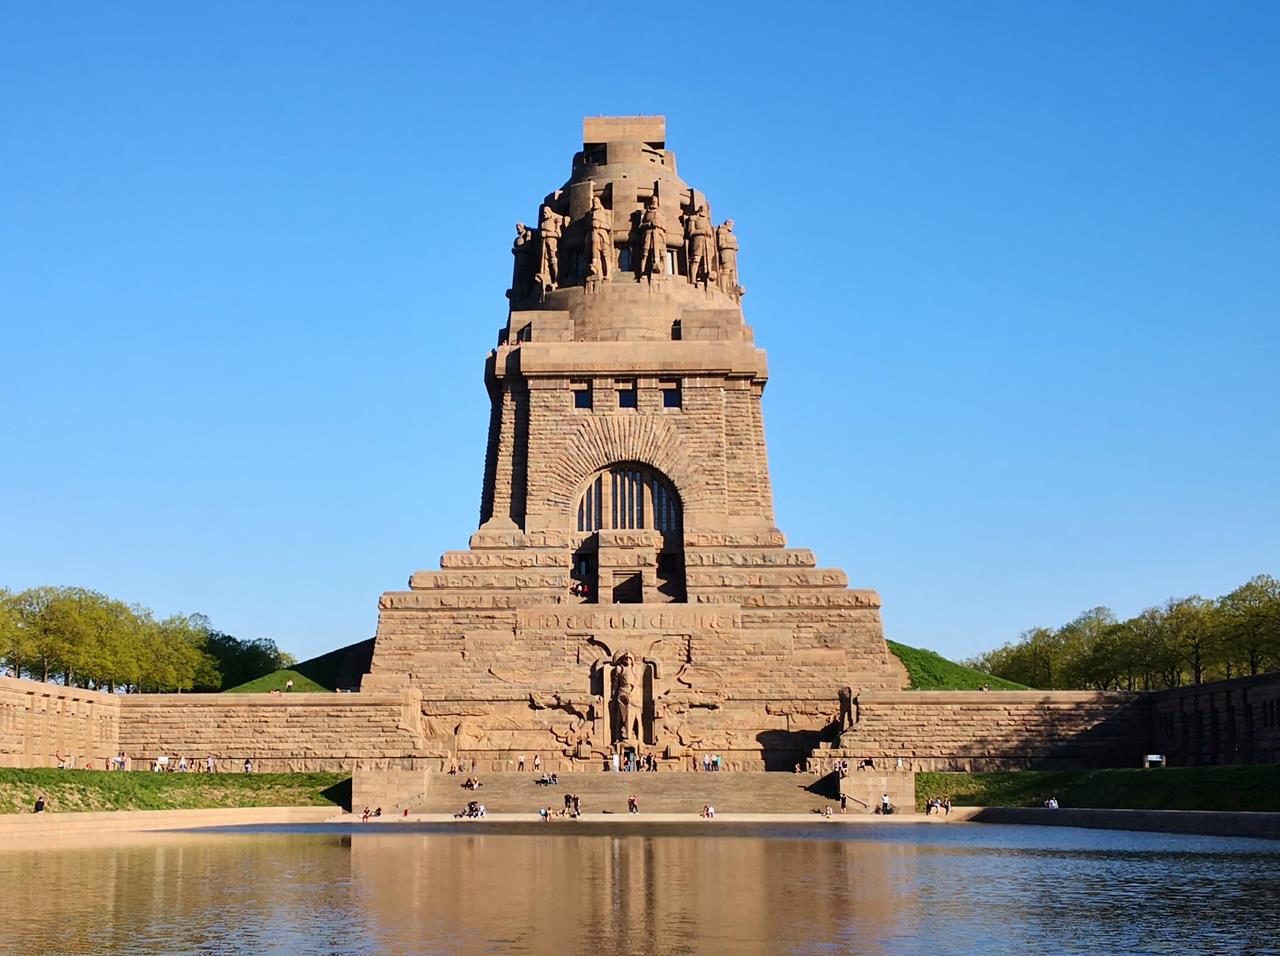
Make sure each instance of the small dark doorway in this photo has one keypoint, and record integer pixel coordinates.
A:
(628, 587)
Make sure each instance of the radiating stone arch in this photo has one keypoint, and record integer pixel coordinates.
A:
(603, 440)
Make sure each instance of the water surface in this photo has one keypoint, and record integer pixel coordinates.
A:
(559, 888)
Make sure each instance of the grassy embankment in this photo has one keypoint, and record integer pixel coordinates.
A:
(1172, 788)
(70, 790)
(930, 671)
(328, 672)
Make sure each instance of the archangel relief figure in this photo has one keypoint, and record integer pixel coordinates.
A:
(522, 275)
(624, 685)
(550, 228)
(599, 240)
(653, 242)
(700, 242)
(727, 243)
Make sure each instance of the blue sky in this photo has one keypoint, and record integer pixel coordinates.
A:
(1015, 266)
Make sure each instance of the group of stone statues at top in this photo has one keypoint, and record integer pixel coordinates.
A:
(710, 253)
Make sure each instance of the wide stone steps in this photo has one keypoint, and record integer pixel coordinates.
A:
(660, 792)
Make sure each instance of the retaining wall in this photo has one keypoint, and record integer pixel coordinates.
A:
(41, 722)
(1224, 722)
(999, 730)
(279, 732)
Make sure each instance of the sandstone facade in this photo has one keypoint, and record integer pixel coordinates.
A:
(41, 722)
(627, 588)
(996, 730)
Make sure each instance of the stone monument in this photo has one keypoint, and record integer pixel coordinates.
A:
(627, 588)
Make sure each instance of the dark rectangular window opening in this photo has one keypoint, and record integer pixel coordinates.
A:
(628, 395)
(671, 397)
(581, 393)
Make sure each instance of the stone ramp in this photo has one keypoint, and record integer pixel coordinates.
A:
(728, 792)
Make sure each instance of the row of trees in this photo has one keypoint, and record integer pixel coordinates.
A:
(1184, 641)
(82, 638)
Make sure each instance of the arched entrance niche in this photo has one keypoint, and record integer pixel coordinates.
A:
(631, 522)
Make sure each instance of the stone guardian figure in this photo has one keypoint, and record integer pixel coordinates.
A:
(700, 239)
(550, 228)
(653, 242)
(599, 240)
(727, 243)
(522, 275)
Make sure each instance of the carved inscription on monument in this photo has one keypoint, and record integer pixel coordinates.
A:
(671, 618)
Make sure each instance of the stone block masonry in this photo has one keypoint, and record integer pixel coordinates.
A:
(998, 730)
(39, 722)
(279, 732)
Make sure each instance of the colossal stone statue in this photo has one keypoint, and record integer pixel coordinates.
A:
(550, 228)
(599, 240)
(623, 689)
(699, 235)
(522, 274)
(727, 243)
(653, 242)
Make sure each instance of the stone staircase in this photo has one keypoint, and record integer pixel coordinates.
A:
(727, 791)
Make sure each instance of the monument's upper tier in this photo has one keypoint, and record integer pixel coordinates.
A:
(625, 246)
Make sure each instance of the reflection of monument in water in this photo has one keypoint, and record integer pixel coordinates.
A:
(627, 588)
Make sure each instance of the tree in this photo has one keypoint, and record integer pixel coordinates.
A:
(1192, 631)
(16, 649)
(1250, 617)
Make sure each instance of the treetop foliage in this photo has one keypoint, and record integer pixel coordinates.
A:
(1186, 640)
(81, 638)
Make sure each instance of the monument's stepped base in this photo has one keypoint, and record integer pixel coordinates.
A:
(508, 660)
(279, 732)
(662, 792)
(997, 730)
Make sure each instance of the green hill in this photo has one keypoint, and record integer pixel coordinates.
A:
(337, 670)
(930, 671)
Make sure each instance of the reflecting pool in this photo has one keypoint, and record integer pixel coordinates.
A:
(567, 888)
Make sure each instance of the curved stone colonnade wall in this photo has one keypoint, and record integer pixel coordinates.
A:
(40, 722)
(1224, 722)
(998, 730)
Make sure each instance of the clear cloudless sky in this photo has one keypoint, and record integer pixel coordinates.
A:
(1016, 267)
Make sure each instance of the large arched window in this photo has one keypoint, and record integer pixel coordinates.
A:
(627, 496)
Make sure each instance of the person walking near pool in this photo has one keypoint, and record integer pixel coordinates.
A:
(520, 764)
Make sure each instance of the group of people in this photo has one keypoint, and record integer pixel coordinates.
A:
(548, 780)
(1051, 803)
(708, 812)
(631, 762)
(940, 805)
(472, 783)
(364, 817)
(572, 808)
(633, 803)
(473, 810)
(580, 589)
(710, 763)
(457, 768)
(166, 764)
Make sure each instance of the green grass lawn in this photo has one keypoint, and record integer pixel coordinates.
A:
(1173, 788)
(930, 671)
(66, 790)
